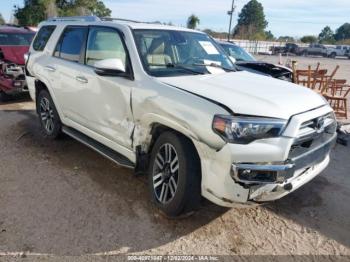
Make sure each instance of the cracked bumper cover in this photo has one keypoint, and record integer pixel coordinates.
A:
(250, 173)
(220, 187)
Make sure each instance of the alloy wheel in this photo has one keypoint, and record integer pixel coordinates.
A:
(47, 115)
(165, 173)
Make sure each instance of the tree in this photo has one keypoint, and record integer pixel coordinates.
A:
(35, 11)
(2, 20)
(50, 8)
(343, 32)
(251, 21)
(32, 13)
(326, 36)
(218, 35)
(193, 21)
(286, 39)
(269, 36)
(83, 7)
(309, 39)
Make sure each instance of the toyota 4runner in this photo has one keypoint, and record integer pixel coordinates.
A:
(168, 102)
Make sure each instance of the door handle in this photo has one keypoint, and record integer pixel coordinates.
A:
(81, 79)
(50, 68)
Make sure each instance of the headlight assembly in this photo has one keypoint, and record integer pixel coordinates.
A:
(243, 130)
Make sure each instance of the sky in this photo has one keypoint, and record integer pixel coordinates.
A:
(286, 17)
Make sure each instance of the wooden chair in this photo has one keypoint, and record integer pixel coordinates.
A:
(303, 77)
(337, 96)
(337, 86)
(327, 81)
(319, 80)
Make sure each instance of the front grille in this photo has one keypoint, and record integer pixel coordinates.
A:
(312, 134)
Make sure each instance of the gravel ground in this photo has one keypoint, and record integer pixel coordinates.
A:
(61, 198)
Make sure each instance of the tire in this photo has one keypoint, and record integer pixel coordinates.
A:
(49, 119)
(333, 55)
(175, 188)
(305, 53)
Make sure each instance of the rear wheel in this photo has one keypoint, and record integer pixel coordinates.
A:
(49, 119)
(333, 55)
(174, 175)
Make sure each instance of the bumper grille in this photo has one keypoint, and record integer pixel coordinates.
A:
(312, 134)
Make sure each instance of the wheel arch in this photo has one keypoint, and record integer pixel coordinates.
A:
(44, 85)
(155, 129)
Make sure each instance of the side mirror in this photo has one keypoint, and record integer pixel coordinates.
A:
(110, 67)
(233, 60)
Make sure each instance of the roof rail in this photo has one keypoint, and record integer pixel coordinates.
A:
(119, 19)
(74, 18)
(128, 20)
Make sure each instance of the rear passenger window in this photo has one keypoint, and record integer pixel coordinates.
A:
(70, 45)
(43, 37)
(104, 43)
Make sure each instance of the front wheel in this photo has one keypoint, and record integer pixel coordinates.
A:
(174, 175)
(48, 115)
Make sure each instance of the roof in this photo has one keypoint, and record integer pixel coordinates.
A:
(83, 20)
(14, 29)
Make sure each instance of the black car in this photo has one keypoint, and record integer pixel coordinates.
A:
(246, 62)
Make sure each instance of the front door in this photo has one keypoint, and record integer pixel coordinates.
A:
(104, 101)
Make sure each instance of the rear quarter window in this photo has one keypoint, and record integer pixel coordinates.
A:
(43, 37)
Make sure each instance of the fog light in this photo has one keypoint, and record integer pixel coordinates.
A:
(257, 176)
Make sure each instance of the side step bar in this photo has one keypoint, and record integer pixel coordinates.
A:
(98, 147)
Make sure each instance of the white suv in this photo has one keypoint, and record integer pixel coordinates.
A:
(169, 102)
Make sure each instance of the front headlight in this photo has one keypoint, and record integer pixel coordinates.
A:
(243, 130)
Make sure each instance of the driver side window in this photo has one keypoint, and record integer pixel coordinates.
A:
(104, 43)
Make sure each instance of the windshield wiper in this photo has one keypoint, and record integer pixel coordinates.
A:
(179, 66)
(217, 66)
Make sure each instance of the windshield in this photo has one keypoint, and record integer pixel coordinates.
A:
(238, 53)
(14, 39)
(173, 53)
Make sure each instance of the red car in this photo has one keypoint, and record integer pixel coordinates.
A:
(14, 44)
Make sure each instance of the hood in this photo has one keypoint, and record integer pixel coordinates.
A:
(250, 94)
(264, 68)
(14, 54)
(262, 63)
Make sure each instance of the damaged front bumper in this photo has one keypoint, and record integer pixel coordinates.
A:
(266, 169)
(271, 182)
(250, 173)
(13, 87)
(12, 79)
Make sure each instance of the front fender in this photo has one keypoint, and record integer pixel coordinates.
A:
(177, 109)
